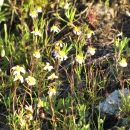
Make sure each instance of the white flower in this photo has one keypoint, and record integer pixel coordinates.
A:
(56, 50)
(61, 55)
(40, 103)
(29, 108)
(54, 28)
(79, 59)
(38, 9)
(91, 50)
(30, 80)
(123, 63)
(29, 112)
(36, 54)
(66, 6)
(48, 67)
(19, 77)
(37, 33)
(89, 33)
(51, 92)
(52, 76)
(33, 14)
(77, 30)
(17, 69)
(59, 43)
(29, 116)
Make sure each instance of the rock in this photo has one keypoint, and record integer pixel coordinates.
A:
(111, 104)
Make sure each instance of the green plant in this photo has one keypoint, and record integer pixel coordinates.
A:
(48, 80)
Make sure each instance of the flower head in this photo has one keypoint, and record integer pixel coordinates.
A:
(77, 30)
(52, 76)
(19, 77)
(17, 69)
(33, 14)
(89, 33)
(40, 103)
(36, 33)
(56, 50)
(48, 67)
(61, 55)
(36, 54)
(29, 116)
(91, 50)
(29, 112)
(59, 43)
(38, 9)
(30, 80)
(29, 108)
(123, 63)
(66, 6)
(52, 91)
(54, 28)
(79, 59)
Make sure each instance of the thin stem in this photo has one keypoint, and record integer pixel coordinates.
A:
(53, 113)
(71, 91)
(89, 71)
(121, 81)
(57, 66)
(14, 97)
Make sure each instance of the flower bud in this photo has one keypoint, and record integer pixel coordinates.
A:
(2, 52)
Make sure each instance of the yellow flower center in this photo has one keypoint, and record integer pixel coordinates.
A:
(57, 48)
(53, 90)
(40, 103)
(30, 115)
(123, 61)
(38, 8)
(36, 53)
(62, 53)
(60, 41)
(91, 49)
(53, 76)
(79, 57)
(33, 12)
(89, 31)
(54, 27)
(31, 79)
(77, 29)
(19, 77)
(18, 68)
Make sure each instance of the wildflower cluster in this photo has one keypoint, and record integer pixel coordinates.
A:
(17, 70)
(57, 66)
(29, 112)
(34, 13)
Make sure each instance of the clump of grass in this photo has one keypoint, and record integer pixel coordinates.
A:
(45, 81)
